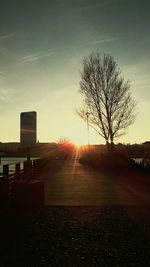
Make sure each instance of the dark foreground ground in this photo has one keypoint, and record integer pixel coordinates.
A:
(78, 236)
(89, 219)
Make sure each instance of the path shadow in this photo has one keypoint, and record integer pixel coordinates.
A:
(80, 236)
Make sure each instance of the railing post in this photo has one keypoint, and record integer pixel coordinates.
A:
(38, 164)
(30, 169)
(27, 170)
(5, 171)
(6, 179)
(17, 170)
(34, 166)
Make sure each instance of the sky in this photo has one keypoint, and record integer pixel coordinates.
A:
(42, 45)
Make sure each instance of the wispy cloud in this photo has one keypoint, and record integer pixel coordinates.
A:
(2, 74)
(6, 95)
(138, 74)
(6, 36)
(146, 40)
(104, 40)
(37, 56)
(97, 5)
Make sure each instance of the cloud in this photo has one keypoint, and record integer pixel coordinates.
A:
(6, 95)
(6, 36)
(37, 56)
(146, 40)
(50, 52)
(142, 79)
(138, 74)
(2, 75)
(97, 5)
(100, 41)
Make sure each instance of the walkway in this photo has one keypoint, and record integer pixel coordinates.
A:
(73, 184)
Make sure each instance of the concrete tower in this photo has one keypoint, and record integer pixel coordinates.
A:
(28, 125)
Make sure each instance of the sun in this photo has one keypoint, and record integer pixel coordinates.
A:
(79, 143)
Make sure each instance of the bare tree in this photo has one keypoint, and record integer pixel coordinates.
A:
(107, 97)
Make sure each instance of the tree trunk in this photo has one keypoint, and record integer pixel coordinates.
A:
(112, 146)
(108, 146)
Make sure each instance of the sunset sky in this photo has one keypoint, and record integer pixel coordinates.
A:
(42, 44)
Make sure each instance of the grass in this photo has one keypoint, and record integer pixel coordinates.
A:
(112, 162)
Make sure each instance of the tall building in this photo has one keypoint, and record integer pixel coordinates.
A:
(28, 127)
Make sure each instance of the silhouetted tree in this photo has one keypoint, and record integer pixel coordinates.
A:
(108, 104)
(66, 148)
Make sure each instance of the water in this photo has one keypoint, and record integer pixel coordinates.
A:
(12, 161)
(138, 160)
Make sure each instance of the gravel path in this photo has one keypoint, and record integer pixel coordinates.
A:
(80, 236)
